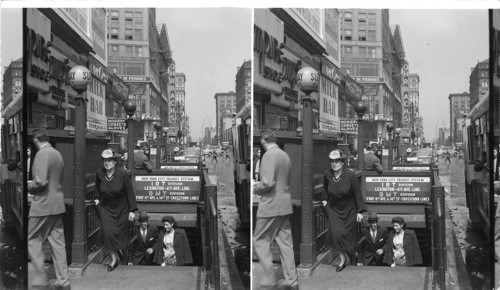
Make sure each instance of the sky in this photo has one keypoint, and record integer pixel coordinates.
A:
(11, 34)
(208, 45)
(442, 46)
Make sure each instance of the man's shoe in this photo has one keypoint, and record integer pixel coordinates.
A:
(111, 268)
(47, 287)
(340, 268)
(59, 287)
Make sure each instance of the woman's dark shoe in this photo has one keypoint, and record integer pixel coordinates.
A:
(340, 268)
(111, 268)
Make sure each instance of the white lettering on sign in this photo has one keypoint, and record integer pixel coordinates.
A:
(167, 178)
(398, 179)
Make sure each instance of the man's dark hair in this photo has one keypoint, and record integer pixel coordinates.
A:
(268, 136)
(41, 134)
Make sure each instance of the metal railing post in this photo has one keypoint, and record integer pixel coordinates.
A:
(439, 237)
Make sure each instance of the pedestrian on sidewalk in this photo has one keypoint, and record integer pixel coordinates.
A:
(372, 244)
(116, 201)
(145, 239)
(214, 156)
(345, 206)
(46, 213)
(172, 246)
(273, 213)
(402, 247)
(447, 157)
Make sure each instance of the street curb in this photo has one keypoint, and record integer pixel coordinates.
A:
(453, 265)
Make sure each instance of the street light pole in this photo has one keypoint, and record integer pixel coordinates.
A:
(130, 107)
(79, 79)
(360, 108)
(397, 131)
(390, 127)
(158, 128)
(307, 80)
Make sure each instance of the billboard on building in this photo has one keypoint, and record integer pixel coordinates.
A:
(99, 34)
(332, 35)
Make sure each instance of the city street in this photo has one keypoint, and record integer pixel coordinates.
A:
(473, 245)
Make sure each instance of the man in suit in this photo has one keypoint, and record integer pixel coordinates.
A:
(141, 161)
(46, 212)
(372, 244)
(275, 207)
(372, 162)
(146, 235)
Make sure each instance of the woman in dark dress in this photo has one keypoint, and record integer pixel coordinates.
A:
(343, 196)
(402, 247)
(116, 200)
(172, 246)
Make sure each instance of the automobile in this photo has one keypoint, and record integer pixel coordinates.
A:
(188, 156)
(424, 156)
(440, 152)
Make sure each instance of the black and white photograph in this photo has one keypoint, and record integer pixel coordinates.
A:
(371, 138)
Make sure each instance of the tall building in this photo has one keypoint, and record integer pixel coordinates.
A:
(411, 105)
(134, 53)
(12, 81)
(459, 106)
(225, 107)
(479, 82)
(373, 55)
(180, 94)
(243, 85)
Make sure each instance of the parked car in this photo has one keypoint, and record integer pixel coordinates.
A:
(425, 156)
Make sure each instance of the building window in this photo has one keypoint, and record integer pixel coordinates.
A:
(138, 51)
(128, 34)
(362, 17)
(372, 19)
(114, 15)
(484, 83)
(362, 51)
(135, 69)
(362, 35)
(129, 50)
(372, 36)
(367, 69)
(347, 34)
(114, 67)
(347, 14)
(18, 83)
(347, 51)
(129, 15)
(114, 23)
(113, 50)
(138, 34)
(372, 52)
(348, 20)
(114, 33)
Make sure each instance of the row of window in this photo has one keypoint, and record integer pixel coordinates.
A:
(129, 33)
(362, 52)
(361, 69)
(363, 35)
(129, 15)
(128, 68)
(125, 50)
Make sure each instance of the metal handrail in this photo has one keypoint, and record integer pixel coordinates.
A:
(215, 243)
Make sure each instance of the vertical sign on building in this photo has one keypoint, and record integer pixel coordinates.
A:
(406, 96)
(172, 118)
(332, 36)
(99, 34)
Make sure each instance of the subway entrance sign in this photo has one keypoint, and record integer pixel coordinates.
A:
(168, 188)
(398, 189)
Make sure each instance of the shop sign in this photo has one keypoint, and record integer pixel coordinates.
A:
(353, 88)
(330, 71)
(405, 132)
(117, 125)
(372, 80)
(370, 112)
(141, 79)
(382, 117)
(349, 126)
(406, 99)
(120, 87)
(98, 70)
(172, 105)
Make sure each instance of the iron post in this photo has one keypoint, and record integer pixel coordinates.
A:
(79, 79)
(130, 107)
(308, 79)
(390, 127)
(360, 108)
(158, 129)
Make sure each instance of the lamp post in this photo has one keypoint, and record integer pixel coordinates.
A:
(307, 80)
(389, 128)
(130, 107)
(379, 141)
(360, 108)
(397, 131)
(79, 79)
(165, 154)
(158, 128)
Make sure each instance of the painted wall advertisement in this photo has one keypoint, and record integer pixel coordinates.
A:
(329, 103)
(99, 33)
(332, 36)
